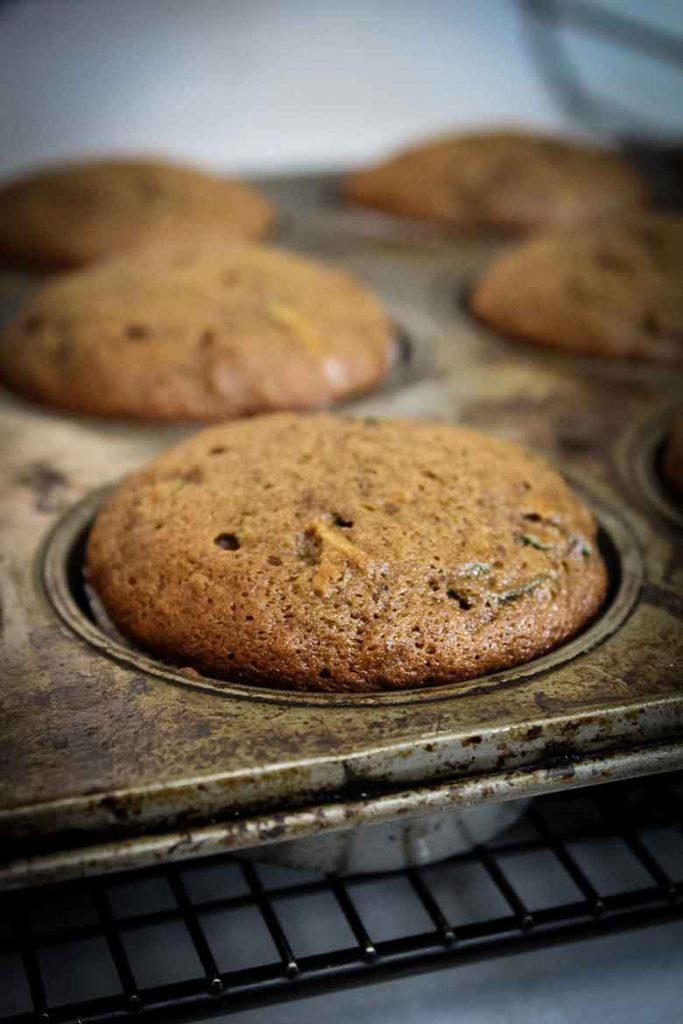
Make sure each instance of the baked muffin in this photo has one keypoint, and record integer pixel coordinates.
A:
(613, 289)
(672, 464)
(514, 181)
(197, 332)
(325, 553)
(70, 215)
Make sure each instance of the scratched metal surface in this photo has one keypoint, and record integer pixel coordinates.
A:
(103, 750)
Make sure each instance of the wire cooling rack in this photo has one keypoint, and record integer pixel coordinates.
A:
(189, 941)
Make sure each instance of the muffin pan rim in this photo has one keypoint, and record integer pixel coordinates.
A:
(639, 460)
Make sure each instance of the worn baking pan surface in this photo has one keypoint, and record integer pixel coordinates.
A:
(110, 758)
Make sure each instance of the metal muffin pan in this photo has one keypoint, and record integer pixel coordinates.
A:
(110, 760)
(394, 845)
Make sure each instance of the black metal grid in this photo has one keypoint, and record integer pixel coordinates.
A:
(579, 836)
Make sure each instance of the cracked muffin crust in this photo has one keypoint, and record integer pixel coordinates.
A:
(612, 289)
(198, 332)
(509, 180)
(70, 215)
(326, 553)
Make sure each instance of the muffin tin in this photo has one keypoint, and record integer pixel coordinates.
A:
(110, 759)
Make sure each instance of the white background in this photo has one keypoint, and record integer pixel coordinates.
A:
(268, 85)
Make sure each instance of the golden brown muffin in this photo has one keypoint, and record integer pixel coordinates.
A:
(326, 553)
(507, 180)
(190, 332)
(614, 289)
(70, 215)
(672, 465)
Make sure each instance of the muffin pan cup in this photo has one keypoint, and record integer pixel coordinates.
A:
(640, 458)
(111, 760)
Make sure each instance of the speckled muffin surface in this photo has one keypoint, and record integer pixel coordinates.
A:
(613, 289)
(70, 215)
(190, 332)
(326, 553)
(672, 463)
(512, 181)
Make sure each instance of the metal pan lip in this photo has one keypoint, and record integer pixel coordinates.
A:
(639, 458)
(620, 546)
(409, 363)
